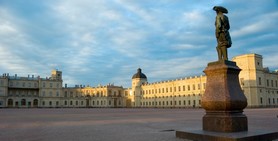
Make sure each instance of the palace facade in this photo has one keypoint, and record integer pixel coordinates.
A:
(258, 84)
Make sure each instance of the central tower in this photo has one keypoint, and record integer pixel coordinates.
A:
(138, 79)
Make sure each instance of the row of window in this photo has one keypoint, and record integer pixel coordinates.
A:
(171, 96)
(51, 85)
(174, 89)
(23, 92)
(93, 92)
(269, 83)
(50, 94)
(24, 84)
(94, 103)
(31, 84)
(171, 103)
(269, 100)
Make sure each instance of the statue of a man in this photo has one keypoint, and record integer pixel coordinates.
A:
(222, 34)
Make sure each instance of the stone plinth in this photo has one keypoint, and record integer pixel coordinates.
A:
(253, 135)
(223, 99)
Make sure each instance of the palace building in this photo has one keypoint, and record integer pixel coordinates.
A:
(258, 83)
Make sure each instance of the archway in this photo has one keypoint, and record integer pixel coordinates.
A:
(23, 102)
(36, 103)
(10, 103)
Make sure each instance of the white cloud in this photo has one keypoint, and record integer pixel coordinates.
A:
(260, 23)
(90, 39)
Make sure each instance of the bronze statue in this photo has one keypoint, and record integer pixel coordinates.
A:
(222, 34)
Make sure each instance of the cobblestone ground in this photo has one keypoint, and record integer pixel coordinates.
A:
(112, 124)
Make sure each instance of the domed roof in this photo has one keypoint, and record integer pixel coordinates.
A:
(139, 74)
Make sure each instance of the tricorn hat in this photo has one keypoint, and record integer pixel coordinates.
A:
(221, 9)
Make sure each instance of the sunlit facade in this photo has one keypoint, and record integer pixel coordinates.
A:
(258, 83)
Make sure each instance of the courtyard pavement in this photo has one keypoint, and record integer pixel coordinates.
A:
(101, 124)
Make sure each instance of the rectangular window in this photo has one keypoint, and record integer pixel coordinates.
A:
(50, 85)
(179, 88)
(193, 87)
(199, 87)
(272, 83)
(276, 83)
(267, 82)
(183, 88)
(188, 87)
(261, 100)
(260, 81)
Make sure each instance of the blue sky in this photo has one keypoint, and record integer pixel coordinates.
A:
(105, 41)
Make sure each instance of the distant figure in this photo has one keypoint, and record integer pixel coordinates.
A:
(222, 34)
